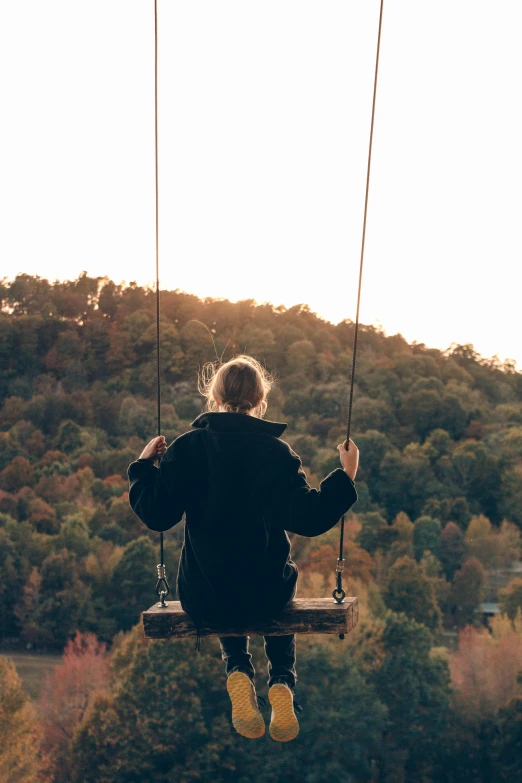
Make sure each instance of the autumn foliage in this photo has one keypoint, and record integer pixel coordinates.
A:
(66, 694)
(485, 668)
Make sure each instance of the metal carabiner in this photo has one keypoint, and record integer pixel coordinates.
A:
(162, 582)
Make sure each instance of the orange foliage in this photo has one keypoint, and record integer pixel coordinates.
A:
(359, 563)
(322, 561)
(19, 731)
(66, 694)
(85, 461)
(484, 670)
(51, 488)
(17, 474)
(7, 503)
(42, 516)
(50, 457)
(115, 481)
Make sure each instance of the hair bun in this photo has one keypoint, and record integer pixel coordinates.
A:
(241, 405)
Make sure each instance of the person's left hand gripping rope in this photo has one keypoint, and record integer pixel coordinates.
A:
(155, 449)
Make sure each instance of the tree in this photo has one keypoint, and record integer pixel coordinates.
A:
(403, 544)
(478, 472)
(482, 542)
(126, 736)
(451, 549)
(68, 438)
(66, 694)
(359, 563)
(466, 592)
(414, 686)
(406, 481)
(510, 503)
(26, 610)
(448, 509)
(508, 740)
(13, 571)
(259, 343)
(422, 411)
(133, 582)
(62, 600)
(409, 590)
(510, 598)
(426, 536)
(74, 536)
(19, 759)
(301, 358)
(375, 532)
(17, 475)
(510, 544)
(484, 670)
(374, 445)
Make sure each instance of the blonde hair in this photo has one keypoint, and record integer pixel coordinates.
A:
(240, 385)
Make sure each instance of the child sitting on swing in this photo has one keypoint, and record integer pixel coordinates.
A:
(241, 489)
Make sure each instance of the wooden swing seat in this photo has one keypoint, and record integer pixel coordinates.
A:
(302, 615)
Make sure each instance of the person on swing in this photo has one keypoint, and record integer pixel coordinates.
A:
(241, 489)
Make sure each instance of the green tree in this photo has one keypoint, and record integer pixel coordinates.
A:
(74, 536)
(125, 737)
(411, 591)
(133, 582)
(422, 411)
(415, 687)
(375, 532)
(466, 592)
(301, 358)
(13, 571)
(507, 745)
(452, 549)
(171, 352)
(426, 535)
(374, 445)
(69, 437)
(478, 472)
(63, 599)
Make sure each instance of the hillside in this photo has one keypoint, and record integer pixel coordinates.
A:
(440, 508)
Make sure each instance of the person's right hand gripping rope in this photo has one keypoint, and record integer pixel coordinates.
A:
(349, 459)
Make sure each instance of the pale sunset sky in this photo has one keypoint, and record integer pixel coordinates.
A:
(264, 116)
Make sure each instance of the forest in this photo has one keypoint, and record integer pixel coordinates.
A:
(428, 686)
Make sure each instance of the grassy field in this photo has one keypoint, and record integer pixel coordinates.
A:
(32, 667)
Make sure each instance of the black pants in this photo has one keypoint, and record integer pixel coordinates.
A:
(280, 652)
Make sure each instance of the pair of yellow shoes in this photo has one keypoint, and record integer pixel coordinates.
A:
(246, 717)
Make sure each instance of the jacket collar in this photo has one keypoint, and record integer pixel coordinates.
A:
(225, 421)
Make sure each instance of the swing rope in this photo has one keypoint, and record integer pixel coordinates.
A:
(339, 594)
(162, 586)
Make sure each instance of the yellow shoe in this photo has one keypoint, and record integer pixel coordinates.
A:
(284, 725)
(246, 717)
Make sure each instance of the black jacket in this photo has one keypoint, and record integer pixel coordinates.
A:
(240, 488)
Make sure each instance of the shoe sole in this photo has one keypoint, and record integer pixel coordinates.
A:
(284, 725)
(246, 719)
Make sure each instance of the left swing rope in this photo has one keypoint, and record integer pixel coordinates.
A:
(162, 585)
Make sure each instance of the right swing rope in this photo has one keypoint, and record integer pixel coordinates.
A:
(339, 593)
(162, 585)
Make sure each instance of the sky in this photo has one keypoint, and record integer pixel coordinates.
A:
(264, 117)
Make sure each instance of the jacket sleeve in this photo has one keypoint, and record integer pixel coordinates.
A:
(311, 512)
(156, 494)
